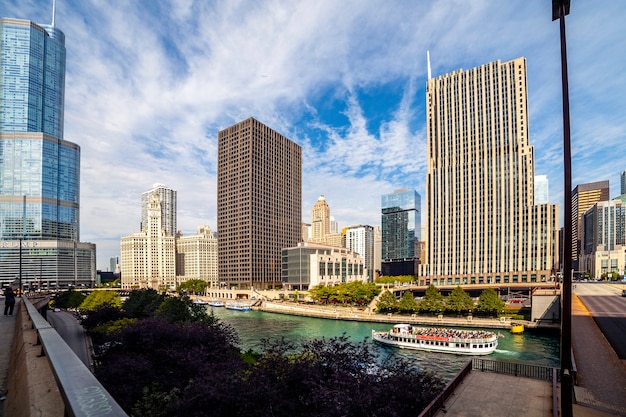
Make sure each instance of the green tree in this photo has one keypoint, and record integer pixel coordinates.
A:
(101, 298)
(68, 299)
(489, 302)
(387, 303)
(459, 301)
(194, 286)
(143, 303)
(183, 310)
(407, 303)
(432, 301)
(320, 293)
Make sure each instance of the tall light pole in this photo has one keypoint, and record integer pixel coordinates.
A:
(560, 8)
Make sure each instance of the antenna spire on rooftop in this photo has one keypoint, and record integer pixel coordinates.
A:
(54, 9)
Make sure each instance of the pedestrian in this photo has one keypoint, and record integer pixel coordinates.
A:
(9, 301)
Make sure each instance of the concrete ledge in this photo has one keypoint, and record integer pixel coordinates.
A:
(31, 387)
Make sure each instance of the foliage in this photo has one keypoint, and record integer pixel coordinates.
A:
(459, 301)
(611, 276)
(143, 303)
(116, 283)
(387, 303)
(489, 302)
(355, 292)
(100, 298)
(194, 369)
(432, 302)
(407, 303)
(183, 310)
(195, 286)
(393, 279)
(68, 299)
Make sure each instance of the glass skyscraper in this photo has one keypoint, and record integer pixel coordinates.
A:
(39, 170)
(401, 224)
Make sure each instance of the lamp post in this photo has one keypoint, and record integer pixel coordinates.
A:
(560, 8)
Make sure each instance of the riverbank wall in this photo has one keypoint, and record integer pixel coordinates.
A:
(366, 315)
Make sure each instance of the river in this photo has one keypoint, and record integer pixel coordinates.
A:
(536, 348)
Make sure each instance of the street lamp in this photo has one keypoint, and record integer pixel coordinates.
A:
(560, 8)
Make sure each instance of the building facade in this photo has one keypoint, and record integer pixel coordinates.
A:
(320, 220)
(483, 226)
(39, 170)
(168, 208)
(148, 258)
(311, 264)
(622, 182)
(583, 197)
(541, 189)
(603, 239)
(196, 257)
(259, 203)
(400, 228)
(360, 240)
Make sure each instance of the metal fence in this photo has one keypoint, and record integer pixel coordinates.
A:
(83, 395)
(544, 373)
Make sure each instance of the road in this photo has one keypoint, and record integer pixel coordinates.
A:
(608, 309)
(72, 332)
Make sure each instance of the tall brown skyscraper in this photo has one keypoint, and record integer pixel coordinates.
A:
(483, 225)
(583, 197)
(259, 203)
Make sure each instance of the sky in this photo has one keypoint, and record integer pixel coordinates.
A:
(150, 83)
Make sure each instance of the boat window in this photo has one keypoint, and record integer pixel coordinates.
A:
(474, 346)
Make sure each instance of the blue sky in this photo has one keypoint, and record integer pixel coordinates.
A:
(150, 83)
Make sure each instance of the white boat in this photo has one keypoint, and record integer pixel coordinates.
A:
(434, 339)
(201, 302)
(216, 303)
(238, 305)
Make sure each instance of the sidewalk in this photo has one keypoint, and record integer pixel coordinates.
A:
(7, 328)
(601, 374)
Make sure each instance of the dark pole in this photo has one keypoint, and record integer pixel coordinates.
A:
(560, 8)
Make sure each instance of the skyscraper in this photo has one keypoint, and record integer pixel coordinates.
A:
(401, 224)
(583, 197)
(541, 189)
(39, 170)
(168, 208)
(259, 203)
(320, 220)
(482, 224)
(622, 182)
(360, 240)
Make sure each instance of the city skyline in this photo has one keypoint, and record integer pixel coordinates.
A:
(344, 81)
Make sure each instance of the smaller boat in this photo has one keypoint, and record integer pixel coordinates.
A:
(517, 328)
(239, 306)
(436, 339)
(200, 302)
(216, 303)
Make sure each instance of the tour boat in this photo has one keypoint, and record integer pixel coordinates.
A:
(216, 303)
(434, 339)
(517, 328)
(238, 305)
(200, 302)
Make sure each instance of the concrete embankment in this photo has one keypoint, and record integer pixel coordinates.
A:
(355, 314)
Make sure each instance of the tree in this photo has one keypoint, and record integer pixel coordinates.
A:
(100, 298)
(432, 301)
(143, 303)
(183, 310)
(489, 302)
(387, 303)
(195, 286)
(407, 303)
(68, 299)
(459, 301)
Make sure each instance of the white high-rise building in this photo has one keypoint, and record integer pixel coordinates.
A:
(320, 220)
(168, 208)
(148, 258)
(541, 189)
(196, 257)
(334, 225)
(360, 240)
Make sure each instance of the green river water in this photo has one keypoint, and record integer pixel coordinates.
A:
(536, 348)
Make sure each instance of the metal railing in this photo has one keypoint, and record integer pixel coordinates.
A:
(82, 393)
(544, 373)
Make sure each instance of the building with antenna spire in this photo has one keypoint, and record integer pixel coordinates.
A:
(39, 170)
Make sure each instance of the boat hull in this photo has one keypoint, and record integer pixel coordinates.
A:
(477, 347)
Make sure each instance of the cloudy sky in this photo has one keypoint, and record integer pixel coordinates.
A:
(150, 83)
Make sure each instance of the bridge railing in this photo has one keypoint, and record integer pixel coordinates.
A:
(83, 395)
(526, 370)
